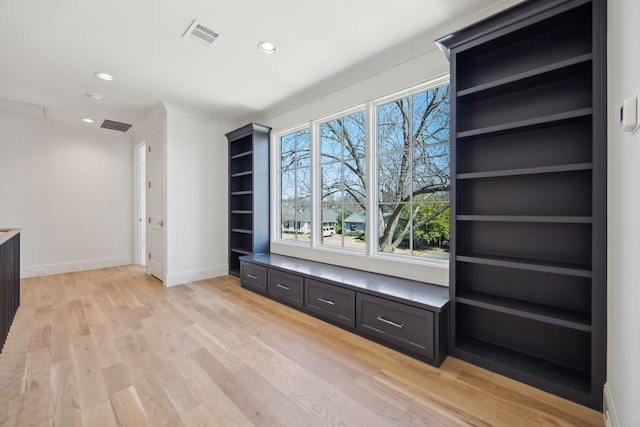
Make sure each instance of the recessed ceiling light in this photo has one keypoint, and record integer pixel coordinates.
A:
(87, 120)
(267, 47)
(105, 76)
(95, 96)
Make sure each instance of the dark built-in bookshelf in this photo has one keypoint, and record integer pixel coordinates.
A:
(248, 193)
(528, 249)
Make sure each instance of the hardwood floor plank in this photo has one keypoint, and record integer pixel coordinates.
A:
(61, 345)
(41, 338)
(202, 417)
(128, 408)
(103, 339)
(157, 405)
(257, 410)
(64, 404)
(213, 397)
(100, 415)
(91, 388)
(117, 377)
(114, 347)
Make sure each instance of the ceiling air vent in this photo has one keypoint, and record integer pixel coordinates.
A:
(200, 34)
(110, 124)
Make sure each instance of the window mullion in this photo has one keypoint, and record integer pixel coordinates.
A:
(371, 179)
(316, 187)
(411, 205)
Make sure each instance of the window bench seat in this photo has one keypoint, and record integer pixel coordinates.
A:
(406, 315)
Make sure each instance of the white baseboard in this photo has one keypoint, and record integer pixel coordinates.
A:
(608, 409)
(73, 266)
(182, 277)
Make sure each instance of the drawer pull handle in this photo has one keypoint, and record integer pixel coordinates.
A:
(251, 276)
(286, 288)
(326, 301)
(389, 322)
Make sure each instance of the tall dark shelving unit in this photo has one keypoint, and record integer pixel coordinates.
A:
(528, 249)
(248, 193)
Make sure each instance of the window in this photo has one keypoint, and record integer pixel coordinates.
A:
(413, 174)
(295, 186)
(343, 194)
(388, 163)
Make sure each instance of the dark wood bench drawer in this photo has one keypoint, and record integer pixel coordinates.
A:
(253, 276)
(331, 302)
(405, 326)
(286, 287)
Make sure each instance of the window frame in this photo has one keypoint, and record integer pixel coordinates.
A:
(412, 267)
(373, 147)
(276, 233)
(317, 202)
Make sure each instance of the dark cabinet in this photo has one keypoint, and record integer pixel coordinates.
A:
(528, 249)
(254, 277)
(286, 287)
(248, 193)
(408, 327)
(9, 280)
(329, 301)
(403, 314)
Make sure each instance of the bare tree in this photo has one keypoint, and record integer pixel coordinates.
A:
(413, 136)
(413, 164)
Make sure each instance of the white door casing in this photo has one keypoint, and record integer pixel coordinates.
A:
(156, 193)
(141, 204)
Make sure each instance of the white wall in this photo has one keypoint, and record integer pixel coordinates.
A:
(69, 188)
(623, 369)
(197, 197)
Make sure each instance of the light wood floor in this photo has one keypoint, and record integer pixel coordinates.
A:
(114, 347)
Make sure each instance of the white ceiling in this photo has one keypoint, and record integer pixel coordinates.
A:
(50, 50)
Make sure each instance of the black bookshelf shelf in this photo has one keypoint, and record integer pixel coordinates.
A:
(241, 251)
(546, 267)
(560, 69)
(532, 123)
(527, 171)
(241, 174)
(539, 372)
(242, 231)
(527, 218)
(539, 312)
(241, 155)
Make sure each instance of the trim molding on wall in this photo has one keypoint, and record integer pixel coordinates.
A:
(182, 277)
(73, 266)
(608, 409)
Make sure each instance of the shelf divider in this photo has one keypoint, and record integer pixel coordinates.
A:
(527, 218)
(565, 67)
(533, 370)
(243, 154)
(238, 174)
(527, 171)
(556, 268)
(525, 124)
(542, 313)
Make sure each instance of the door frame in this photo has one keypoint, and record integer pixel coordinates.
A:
(140, 215)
